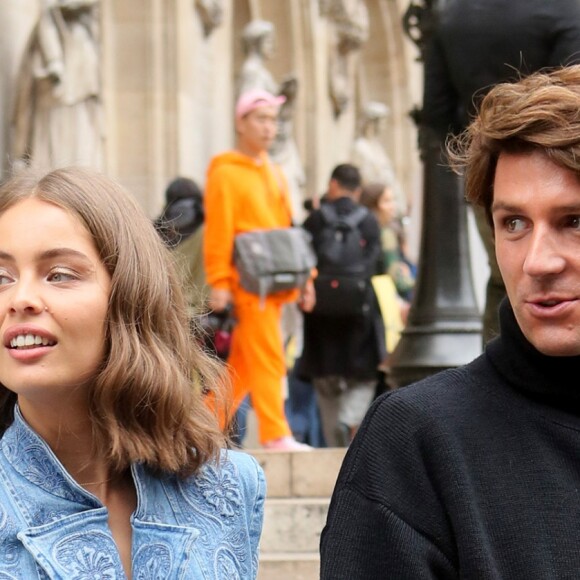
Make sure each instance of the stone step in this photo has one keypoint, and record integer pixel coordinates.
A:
(300, 484)
(293, 524)
(300, 473)
(289, 566)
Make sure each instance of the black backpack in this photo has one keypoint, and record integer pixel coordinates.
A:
(342, 282)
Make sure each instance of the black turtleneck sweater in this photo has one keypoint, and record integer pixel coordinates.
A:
(471, 473)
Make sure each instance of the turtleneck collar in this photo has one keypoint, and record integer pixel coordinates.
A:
(548, 379)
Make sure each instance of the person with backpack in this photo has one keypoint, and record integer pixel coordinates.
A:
(344, 334)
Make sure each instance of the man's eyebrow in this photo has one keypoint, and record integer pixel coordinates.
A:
(501, 206)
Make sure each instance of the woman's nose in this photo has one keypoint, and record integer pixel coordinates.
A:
(24, 297)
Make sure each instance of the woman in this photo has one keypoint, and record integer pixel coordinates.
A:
(110, 462)
(380, 199)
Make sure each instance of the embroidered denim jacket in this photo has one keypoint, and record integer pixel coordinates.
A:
(205, 527)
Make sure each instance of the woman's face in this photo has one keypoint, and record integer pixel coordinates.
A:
(54, 294)
(386, 207)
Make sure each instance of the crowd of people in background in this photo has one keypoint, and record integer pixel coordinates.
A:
(332, 361)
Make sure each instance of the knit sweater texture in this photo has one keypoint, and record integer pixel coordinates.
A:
(472, 473)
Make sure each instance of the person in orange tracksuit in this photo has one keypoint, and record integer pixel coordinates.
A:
(244, 191)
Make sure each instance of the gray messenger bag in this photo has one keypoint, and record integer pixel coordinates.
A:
(274, 260)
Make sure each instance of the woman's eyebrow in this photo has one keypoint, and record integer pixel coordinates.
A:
(51, 254)
(62, 252)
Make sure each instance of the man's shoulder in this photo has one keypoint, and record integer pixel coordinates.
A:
(227, 162)
(443, 395)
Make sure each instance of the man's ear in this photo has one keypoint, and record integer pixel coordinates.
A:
(239, 125)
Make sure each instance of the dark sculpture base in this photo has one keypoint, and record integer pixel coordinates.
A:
(424, 351)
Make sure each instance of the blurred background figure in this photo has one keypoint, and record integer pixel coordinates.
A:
(180, 225)
(395, 284)
(380, 200)
(344, 334)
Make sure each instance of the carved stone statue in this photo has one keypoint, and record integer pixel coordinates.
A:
(57, 115)
(370, 156)
(285, 152)
(18, 18)
(258, 41)
(350, 30)
(211, 13)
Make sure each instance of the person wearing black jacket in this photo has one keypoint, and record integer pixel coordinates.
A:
(342, 351)
(473, 46)
(473, 472)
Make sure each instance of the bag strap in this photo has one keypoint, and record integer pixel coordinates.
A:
(276, 172)
(329, 213)
(352, 219)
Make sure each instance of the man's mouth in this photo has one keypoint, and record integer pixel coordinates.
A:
(24, 341)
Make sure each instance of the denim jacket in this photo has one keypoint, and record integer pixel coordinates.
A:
(204, 527)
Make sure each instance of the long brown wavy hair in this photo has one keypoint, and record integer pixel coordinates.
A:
(538, 112)
(146, 402)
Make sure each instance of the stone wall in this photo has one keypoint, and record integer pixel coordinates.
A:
(169, 80)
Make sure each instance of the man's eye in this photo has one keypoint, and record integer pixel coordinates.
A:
(514, 224)
(574, 222)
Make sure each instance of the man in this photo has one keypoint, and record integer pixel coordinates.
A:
(244, 192)
(473, 472)
(475, 45)
(344, 335)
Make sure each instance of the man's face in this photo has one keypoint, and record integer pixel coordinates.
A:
(257, 130)
(536, 220)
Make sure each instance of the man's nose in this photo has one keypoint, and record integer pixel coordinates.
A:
(545, 254)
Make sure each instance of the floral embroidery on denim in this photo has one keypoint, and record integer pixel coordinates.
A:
(227, 569)
(30, 456)
(230, 559)
(89, 556)
(9, 546)
(153, 562)
(221, 489)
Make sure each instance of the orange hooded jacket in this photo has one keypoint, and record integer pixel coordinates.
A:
(241, 194)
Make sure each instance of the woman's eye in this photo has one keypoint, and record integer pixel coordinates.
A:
(59, 276)
(5, 279)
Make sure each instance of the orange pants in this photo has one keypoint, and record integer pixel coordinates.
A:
(257, 364)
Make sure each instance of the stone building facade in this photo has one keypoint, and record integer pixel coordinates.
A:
(169, 71)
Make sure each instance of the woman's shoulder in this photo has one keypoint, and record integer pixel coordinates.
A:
(235, 474)
(228, 487)
(242, 462)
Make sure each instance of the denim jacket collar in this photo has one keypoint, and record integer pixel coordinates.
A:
(71, 533)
